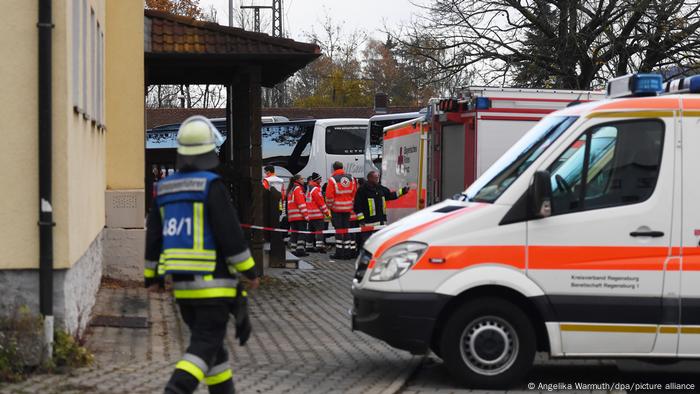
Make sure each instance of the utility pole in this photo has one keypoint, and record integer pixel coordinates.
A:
(230, 13)
(276, 8)
(277, 18)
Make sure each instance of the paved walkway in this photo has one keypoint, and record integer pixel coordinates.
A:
(302, 342)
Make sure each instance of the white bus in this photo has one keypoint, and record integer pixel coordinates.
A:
(293, 147)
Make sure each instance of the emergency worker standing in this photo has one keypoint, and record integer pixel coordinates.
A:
(297, 214)
(340, 195)
(272, 180)
(318, 210)
(193, 234)
(370, 203)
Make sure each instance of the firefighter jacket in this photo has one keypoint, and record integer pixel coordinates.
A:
(370, 203)
(340, 192)
(296, 204)
(315, 203)
(193, 234)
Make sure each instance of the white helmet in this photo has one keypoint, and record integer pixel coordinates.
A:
(196, 136)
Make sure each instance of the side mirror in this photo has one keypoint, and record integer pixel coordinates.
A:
(540, 195)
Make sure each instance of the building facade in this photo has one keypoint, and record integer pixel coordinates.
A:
(97, 166)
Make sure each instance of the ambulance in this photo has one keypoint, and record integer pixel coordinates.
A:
(581, 241)
(457, 139)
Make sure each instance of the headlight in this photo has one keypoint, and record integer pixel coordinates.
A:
(396, 261)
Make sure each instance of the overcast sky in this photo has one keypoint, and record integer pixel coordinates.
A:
(300, 16)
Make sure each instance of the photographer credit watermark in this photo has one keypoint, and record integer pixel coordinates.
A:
(629, 387)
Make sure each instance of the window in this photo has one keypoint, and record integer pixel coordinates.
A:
(100, 76)
(346, 140)
(287, 145)
(496, 180)
(609, 165)
(85, 56)
(93, 65)
(75, 63)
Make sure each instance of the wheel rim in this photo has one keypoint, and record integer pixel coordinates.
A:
(489, 345)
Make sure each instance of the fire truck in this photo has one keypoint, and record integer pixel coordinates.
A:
(443, 151)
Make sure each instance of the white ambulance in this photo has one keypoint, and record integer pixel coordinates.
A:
(582, 241)
(458, 139)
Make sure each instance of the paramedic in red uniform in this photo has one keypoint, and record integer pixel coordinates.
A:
(297, 214)
(340, 195)
(318, 211)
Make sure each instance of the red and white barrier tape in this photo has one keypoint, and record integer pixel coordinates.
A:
(363, 229)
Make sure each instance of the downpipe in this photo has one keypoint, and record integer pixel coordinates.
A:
(46, 224)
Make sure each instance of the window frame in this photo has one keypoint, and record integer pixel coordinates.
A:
(84, 69)
(581, 198)
(76, 42)
(93, 65)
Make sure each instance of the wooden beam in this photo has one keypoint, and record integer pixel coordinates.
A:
(255, 165)
(247, 141)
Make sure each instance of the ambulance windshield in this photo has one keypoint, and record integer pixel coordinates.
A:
(517, 159)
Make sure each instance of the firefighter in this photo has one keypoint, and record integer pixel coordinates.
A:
(370, 203)
(318, 211)
(193, 235)
(340, 195)
(297, 214)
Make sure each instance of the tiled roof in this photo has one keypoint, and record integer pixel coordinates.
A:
(178, 34)
(161, 116)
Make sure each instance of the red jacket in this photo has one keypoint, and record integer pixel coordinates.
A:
(315, 203)
(340, 192)
(296, 204)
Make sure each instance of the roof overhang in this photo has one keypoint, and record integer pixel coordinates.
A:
(180, 50)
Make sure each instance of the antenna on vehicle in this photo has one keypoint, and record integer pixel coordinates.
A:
(575, 102)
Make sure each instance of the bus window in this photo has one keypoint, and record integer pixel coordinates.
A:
(345, 140)
(287, 145)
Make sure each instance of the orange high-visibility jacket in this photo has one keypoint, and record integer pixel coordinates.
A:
(340, 192)
(316, 204)
(296, 205)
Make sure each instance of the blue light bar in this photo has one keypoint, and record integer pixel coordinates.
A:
(482, 103)
(684, 85)
(635, 85)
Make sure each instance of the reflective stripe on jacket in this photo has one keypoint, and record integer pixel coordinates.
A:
(340, 193)
(316, 204)
(296, 205)
(370, 202)
(188, 244)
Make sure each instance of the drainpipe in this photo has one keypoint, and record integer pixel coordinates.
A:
(46, 223)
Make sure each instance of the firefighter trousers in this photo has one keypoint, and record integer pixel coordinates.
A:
(341, 220)
(206, 358)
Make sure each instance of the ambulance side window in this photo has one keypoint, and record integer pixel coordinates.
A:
(610, 165)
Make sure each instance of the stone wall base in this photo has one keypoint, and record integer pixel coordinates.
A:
(124, 253)
(74, 289)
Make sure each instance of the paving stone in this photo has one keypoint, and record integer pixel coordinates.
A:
(301, 343)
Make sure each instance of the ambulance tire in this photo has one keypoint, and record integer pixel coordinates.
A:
(503, 344)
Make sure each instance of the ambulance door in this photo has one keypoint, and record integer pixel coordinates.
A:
(600, 256)
(690, 227)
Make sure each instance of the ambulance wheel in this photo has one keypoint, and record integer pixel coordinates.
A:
(488, 343)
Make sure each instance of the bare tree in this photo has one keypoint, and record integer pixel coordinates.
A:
(573, 44)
